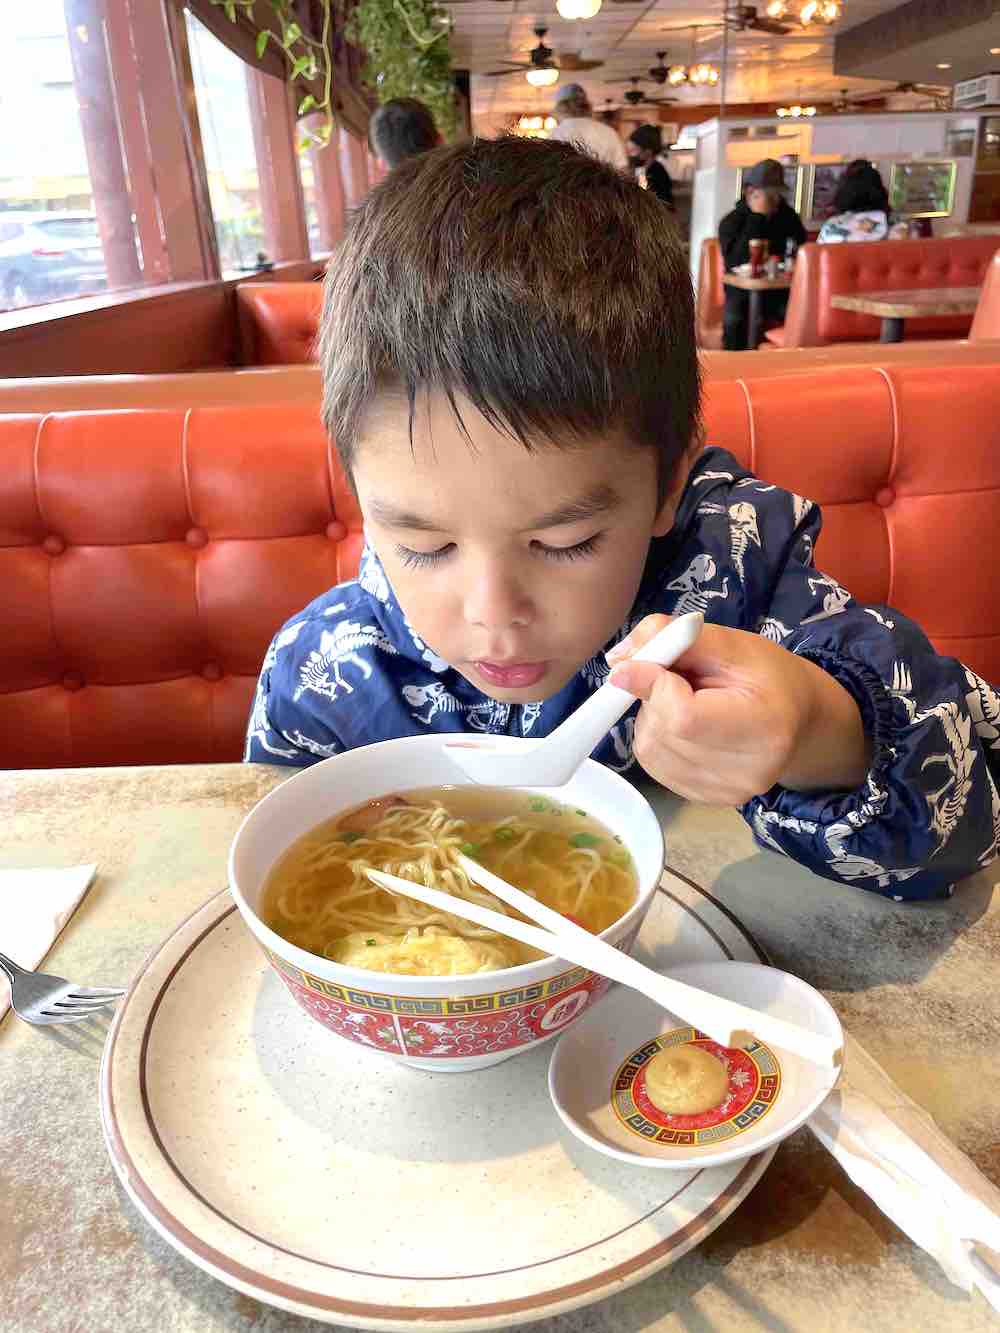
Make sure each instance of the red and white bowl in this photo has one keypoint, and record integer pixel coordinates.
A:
(445, 1023)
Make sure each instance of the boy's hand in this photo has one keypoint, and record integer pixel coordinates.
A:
(738, 714)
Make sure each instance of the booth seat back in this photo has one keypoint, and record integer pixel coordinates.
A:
(186, 388)
(711, 297)
(279, 321)
(824, 271)
(147, 557)
(986, 322)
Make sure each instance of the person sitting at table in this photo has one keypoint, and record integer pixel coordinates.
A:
(861, 205)
(577, 126)
(400, 129)
(645, 146)
(762, 214)
(537, 501)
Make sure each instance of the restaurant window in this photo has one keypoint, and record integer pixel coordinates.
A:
(307, 175)
(224, 117)
(66, 224)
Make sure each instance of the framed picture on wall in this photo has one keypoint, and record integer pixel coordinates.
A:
(922, 189)
(826, 178)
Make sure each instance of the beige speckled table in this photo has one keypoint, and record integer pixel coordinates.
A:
(806, 1251)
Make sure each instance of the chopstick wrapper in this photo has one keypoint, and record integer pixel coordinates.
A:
(893, 1150)
(34, 907)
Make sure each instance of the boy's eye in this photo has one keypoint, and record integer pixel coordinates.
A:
(576, 552)
(421, 559)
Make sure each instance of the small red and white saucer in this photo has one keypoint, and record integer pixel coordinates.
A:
(597, 1072)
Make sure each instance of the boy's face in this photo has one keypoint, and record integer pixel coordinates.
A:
(515, 567)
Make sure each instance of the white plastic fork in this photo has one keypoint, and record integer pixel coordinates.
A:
(554, 760)
(726, 1022)
(42, 999)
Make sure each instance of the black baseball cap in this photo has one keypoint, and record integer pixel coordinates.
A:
(766, 175)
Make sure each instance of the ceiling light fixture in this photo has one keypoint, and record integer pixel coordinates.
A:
(776, 9)
(700, 73)
(578, 9)
(945, 64)
(820, 11)
(795, 111)
(543, 78)
(995, 50)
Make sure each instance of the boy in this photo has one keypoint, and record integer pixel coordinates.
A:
(512, 384)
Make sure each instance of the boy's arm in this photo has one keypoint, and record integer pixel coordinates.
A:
(277, 731)
(850, 744)
(928, 811)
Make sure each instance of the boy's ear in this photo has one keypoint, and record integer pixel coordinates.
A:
(667, 511)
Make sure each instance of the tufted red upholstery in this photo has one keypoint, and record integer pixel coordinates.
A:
(906, 465)
(279, 321)
(146, 557)
(823, 271)
(986, 322)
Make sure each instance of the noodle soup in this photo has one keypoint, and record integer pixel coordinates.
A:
(318, 898)
(443, 1022)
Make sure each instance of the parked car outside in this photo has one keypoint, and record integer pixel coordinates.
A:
(44, 256)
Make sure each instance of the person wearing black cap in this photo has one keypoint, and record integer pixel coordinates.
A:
(762, 213)
(645, 145)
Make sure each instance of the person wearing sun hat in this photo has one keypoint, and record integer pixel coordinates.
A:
(578, 127)
(645, 146)
(761, 214)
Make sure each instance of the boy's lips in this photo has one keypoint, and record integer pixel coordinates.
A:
(512, 675)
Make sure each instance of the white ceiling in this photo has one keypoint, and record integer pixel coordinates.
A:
(626, 36)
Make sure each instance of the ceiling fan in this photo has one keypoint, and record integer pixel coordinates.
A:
(659, 72)
(745, 18)
(635, 96)
(543, 57)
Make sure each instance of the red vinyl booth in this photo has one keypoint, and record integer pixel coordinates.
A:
(148, 555)
(824, 271)
(279, 321)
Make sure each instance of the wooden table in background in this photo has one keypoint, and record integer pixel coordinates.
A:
(806, 1252)
(756, 286)
(920, 303)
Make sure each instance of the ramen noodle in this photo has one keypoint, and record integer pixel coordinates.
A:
(318, 897)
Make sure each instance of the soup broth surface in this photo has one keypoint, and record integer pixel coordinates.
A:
(317, 896)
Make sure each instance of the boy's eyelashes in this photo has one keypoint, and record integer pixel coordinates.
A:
(422, 559)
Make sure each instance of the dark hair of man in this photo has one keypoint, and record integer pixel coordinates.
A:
(526, 277)
(401, 129)
(861, 191)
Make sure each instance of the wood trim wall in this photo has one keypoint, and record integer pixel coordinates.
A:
(273, 121)
(182, 326)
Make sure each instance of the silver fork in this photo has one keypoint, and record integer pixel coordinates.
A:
(39, 998)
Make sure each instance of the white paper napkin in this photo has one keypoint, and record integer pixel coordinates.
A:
(893, 1150)
(34, 907)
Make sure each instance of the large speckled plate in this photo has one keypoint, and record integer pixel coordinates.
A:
(330, 1181)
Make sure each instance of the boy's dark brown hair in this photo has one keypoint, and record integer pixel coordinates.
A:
(527, 277)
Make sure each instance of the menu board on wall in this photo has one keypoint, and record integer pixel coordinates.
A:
(922, 189)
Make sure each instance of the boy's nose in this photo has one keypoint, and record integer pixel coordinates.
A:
(497, 602)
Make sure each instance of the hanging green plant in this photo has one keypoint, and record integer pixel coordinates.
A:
(406, 42)
(309, 59)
